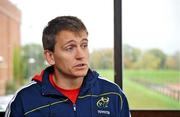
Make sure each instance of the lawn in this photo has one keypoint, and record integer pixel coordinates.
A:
(154, 76)
(140, 97)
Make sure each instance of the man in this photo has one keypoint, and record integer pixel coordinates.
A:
(68, 87)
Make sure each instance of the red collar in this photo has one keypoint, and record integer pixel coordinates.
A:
(71, 94)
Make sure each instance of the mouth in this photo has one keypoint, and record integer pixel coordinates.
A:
(81, 65)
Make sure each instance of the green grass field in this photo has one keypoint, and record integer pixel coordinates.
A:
(140, 97)
(154, 76)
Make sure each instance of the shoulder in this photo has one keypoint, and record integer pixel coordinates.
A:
(109, 85)
(17, 101)
(25, 90)
(30, 86)
(104, 85)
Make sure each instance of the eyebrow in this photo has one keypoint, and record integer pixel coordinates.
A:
(85, 39)
(72, 41)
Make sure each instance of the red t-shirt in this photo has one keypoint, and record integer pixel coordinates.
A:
(71, 94)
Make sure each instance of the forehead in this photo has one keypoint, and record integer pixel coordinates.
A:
(65, 36)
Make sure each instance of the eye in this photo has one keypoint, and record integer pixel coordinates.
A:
(84, 45)
(69, 48)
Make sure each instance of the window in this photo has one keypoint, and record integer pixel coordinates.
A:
(151, 53)
(33, 16)
(120, 8)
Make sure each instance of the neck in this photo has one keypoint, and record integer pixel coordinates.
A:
(67, 82)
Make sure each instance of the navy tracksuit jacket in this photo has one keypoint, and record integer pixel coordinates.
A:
(97, 98)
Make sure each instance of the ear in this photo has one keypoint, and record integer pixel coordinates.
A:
(49, 57)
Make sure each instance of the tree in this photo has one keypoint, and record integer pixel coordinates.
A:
(33, 59)
(150, 61)
(177, 59)
(102, 58)
(160, 55)
(170, 63)
(18, 67)
(131, 56)
(173, 62)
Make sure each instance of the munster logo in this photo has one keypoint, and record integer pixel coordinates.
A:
(103, 102)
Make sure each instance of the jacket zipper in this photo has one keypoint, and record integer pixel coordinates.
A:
(74, 109)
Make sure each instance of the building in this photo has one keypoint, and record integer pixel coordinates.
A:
(10, 17)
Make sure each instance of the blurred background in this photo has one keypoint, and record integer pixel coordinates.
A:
(150, 37)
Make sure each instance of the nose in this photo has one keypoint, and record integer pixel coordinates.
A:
(80, 53)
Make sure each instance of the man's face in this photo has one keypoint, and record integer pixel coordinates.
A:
(71, 54)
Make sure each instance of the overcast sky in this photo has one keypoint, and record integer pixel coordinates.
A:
(97, 15)
(146, 23)
(152, 24)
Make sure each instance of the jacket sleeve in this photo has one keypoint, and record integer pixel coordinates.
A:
(15, 108)
(123, 107)
(125, 112)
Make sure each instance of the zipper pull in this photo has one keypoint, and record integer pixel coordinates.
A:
(74, 107)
